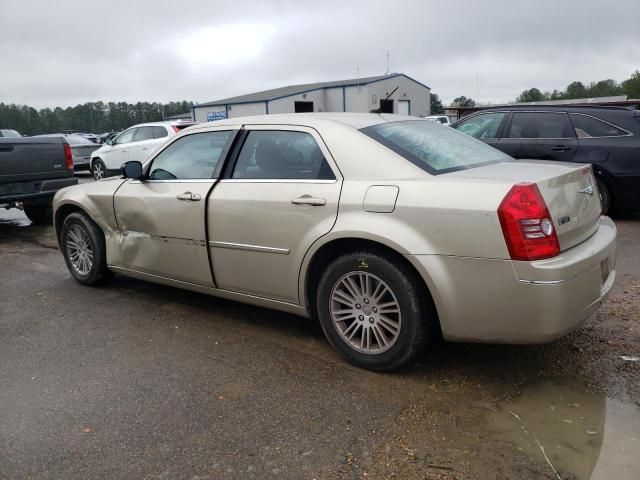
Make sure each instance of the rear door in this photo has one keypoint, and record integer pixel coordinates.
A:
(539, 135)
(162, 219)
(279, 197)
(484, 126)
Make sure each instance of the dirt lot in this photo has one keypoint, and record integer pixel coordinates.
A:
(136, 380)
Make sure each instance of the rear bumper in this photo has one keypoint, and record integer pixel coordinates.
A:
(503, 301)
(39, 191)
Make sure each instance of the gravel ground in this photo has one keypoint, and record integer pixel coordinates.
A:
(136, 380)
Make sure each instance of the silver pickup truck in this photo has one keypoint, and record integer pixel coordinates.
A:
(32, 170)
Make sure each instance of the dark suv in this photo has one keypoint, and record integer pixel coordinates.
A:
(607, 137)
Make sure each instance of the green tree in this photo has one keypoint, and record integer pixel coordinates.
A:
(436, 104)
(463, 101)
(531, 95)
(576, 90)
(604, 88)
(631, 86)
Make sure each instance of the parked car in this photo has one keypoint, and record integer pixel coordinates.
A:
(81, 149)
(102, 138)
(385, 229)
(135, 143)
(89, 136)
(443, 119)
(607, 137)
(9, 133)
(31, 171)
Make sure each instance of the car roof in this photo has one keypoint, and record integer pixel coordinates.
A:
(355, 120)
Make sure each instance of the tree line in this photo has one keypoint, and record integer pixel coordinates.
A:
(94, 117)
(604, 88)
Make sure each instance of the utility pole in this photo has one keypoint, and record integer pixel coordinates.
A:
(388, 69)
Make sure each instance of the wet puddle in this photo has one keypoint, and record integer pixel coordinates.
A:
(575, 431)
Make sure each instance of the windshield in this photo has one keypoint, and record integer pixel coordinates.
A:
(433, 148)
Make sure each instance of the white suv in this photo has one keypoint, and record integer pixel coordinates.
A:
(443, 119)
(135, 143)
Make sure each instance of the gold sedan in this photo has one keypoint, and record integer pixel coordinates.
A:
(386, 229)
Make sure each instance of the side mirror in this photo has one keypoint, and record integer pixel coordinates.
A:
(132, 169)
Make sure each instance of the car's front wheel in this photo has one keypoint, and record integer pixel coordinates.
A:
(373, 311)
(83, 245)
(98, 169)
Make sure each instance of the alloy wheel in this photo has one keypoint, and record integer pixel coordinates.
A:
(79, 250)
(98, 171)
(365, 312)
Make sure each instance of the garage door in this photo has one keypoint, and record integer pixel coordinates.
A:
(403, 107)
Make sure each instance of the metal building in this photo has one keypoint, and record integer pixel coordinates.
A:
(394, 93)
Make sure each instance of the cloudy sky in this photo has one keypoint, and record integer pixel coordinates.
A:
(65, 53)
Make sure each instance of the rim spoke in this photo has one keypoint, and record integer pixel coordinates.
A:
(341, 297)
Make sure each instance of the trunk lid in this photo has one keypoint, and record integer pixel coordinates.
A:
(23, 159)
(569, 190)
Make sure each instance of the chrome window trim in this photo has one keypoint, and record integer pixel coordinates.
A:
(177, 180)
(275, 180)
(250, 248)
(627, 134)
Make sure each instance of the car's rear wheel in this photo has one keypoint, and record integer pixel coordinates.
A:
(605, 196)
(82, 243)
(98, 169)
(39, 214)
(374, 311)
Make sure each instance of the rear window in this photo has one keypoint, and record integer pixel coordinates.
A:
(433, 148)
(587, 127)
(10, 133)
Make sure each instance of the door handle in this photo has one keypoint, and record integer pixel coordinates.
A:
(561, 148)
(309, 200)
(189, 197)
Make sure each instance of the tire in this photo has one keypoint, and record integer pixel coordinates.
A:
(605, 196)
(98, 169)
(414, 320)
(39, 214)
(83, 247)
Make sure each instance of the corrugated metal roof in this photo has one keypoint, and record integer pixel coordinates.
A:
(275, 93)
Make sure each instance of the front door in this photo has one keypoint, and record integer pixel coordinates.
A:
(483, 126)
(162, 218)
(403, 107)
(118, 154)
(539, 135)
(281, 196)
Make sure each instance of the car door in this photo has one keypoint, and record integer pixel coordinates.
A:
(279, 196)
(483, 126)
(119, 151)
(162, 218)
(539, 135)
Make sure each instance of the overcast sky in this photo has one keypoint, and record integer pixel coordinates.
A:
(65, 53)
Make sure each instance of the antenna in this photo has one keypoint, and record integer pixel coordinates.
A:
(388, 70)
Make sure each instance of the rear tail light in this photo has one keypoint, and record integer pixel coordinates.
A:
(68, 156)
(526, 224)
(175, 129)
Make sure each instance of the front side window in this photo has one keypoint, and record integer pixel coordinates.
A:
(159, 132)
(433, 148)
(9, 134)
(485, 125)
(540, 125)
(190, 157)
(281, 155)
(143, 133)
(126, 136)
(587, 126)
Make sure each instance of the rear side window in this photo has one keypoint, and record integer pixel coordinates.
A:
(143, 133)
(433, 148)
(190, 157)
(159, 132)
(484, 125)
(587, 126)
(540, 125)
(281, 155)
